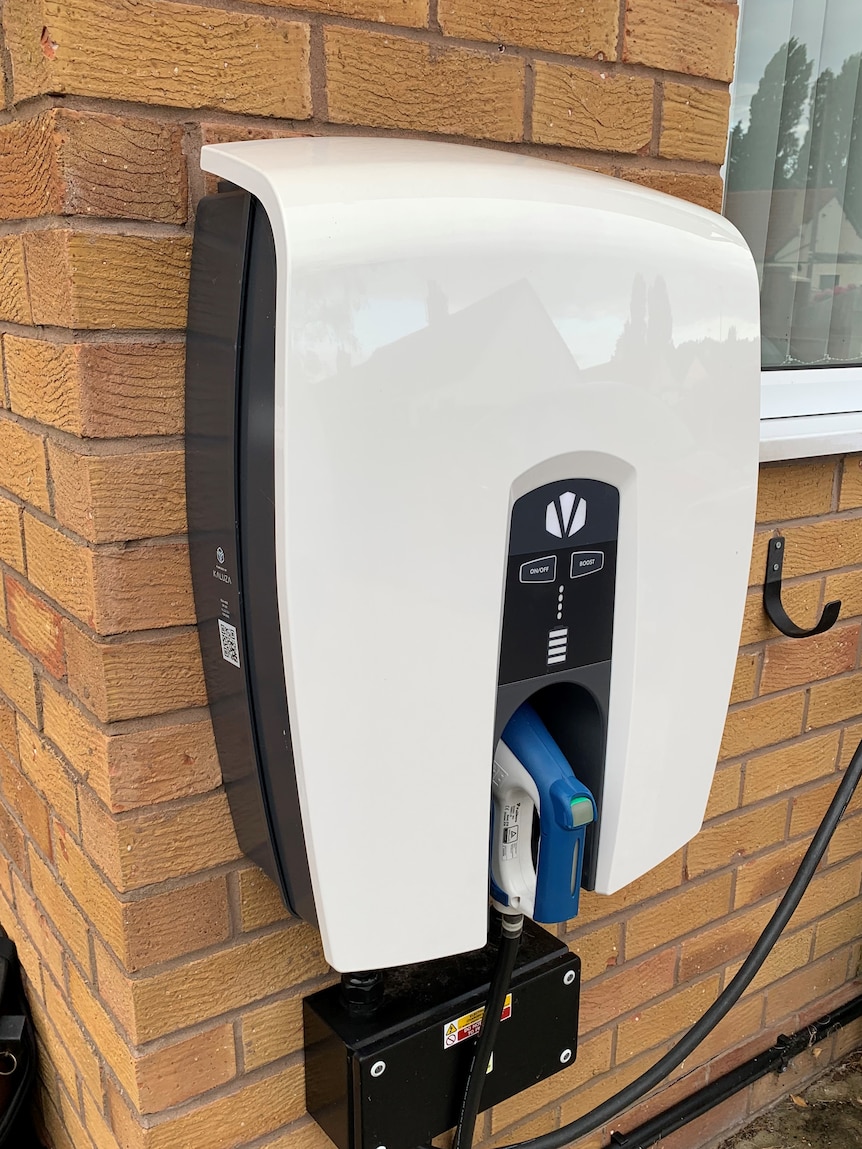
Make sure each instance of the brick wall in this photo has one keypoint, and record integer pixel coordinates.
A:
(164, 976)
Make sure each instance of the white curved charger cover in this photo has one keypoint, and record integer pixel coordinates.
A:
(455, 327)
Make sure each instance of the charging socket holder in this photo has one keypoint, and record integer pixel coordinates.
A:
(397, 1079)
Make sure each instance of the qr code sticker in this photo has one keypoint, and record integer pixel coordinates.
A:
(229, 642)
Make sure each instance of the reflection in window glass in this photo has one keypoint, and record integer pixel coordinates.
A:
(794, 174)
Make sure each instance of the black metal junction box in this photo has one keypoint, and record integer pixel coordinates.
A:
(396, 1080)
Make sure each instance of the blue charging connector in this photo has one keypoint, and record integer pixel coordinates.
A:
(533, 777)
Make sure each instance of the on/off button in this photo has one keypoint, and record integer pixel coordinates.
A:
(540, 570)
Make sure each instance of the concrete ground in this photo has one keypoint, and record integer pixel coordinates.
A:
(825, 1115)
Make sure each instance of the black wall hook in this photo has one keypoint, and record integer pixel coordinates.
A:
(772, 597)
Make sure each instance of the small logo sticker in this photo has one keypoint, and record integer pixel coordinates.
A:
(220, 555)
(566, 515)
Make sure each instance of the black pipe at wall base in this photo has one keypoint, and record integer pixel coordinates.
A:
(776, 1059)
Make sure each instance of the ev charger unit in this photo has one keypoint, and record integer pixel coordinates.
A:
(466, 430)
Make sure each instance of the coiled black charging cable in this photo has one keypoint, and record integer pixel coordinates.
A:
(725, 1001)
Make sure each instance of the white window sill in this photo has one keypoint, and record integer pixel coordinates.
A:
(803, 436)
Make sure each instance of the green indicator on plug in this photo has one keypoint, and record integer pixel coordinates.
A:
(582, 811)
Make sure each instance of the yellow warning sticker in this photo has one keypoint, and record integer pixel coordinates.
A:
(461, 1028)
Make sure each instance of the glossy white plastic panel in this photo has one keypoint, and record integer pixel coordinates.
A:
(455, 327)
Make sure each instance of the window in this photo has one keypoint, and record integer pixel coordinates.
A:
(793, 184)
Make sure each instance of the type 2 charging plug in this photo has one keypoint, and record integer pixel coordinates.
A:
(540, 817)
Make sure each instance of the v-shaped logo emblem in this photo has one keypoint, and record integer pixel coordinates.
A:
(566, 515)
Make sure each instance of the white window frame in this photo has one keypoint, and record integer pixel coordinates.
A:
(806, 411)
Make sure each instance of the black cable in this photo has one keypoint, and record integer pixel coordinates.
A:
(512, 925)
(729, 996)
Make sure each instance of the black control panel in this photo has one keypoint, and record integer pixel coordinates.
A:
(559, 605)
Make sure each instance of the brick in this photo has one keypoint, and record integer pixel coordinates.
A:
(234, 1119)
(138, 588)
(656, 1023)
(36, 626)
(138, 849)
(72, 1037)
(770, 873)
(97, 390)
(663, 877)
(206, 987)
(407, 13)
(817, 547)
(849, 745)
(601, 111)
(271, 1032)
(110, 1043)
(76, 163)
(67, 918)
(742, 1024)
(689, 909)
(91, 892)
(36, 925)
(759, 724)
(706, 190)
(23, 469)
(594, 1058)
(795, 490)
(847, 589)
(835, 701)
(744, 678)
(697, 37)
(388, 82)
(17, 680)
(694, 123)
(599, 949)
(623, 990)
(49, 775)
(133, 769)
(791, 952)
(846, 841)
(8, 731)
(34, 970)
(94, 1124)
(185, 1069)
(178, 922)
(260, 902)
(716, 946)
(26, 803)
(11, 549)
(175, 54)
(724, 793)
(850, 491)
(839, 929)
(801, 601)
(829, 889)
(794, 765)
(14, 302)
(136, 677)
(724, 843)
(795, 663)
(588, 31)
(308, 1135)
(109, 498)
(805, 987)
(12, 839)
(91, 280)
(53, 1053)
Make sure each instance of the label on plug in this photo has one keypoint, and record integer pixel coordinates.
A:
(461, 1028)
(511, 830)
